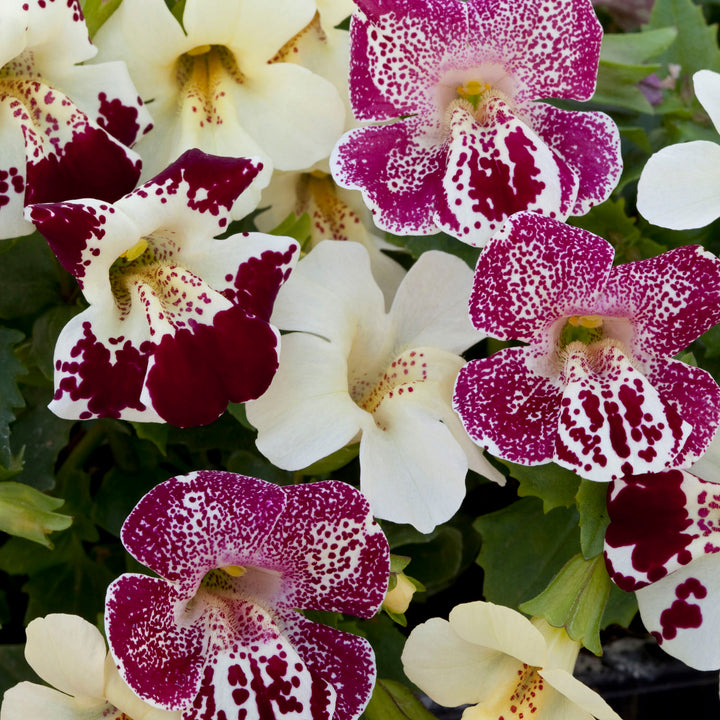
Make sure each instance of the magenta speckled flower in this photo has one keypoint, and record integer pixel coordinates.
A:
(468, 145)
(218, 634)
(596, 389)
(178, 321)
(663, 541)
(62, 125)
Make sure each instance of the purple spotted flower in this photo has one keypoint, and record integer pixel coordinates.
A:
(178, 321)
(463, 143)
(596, 389)
(63, 126)
(218, 633)
(663, 541)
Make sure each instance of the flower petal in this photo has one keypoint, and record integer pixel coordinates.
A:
(12, 171)
(659, 523)
(158, 652)
(707, 91)
(613, 421)
(29, 700)
(679, 187)
(507, 409)
(671, 299)
(585, 700)
(69, 654)
(332, 555)
(534, 271)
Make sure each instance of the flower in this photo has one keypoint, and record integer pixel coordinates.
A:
(335, 214)
(467, 145)
(505, 665)
(679, 187)
(178, 321)
(218, 633)
(69, 653)
(215, 84)
(662, 542)
(64, 126)
(596, 389)
(353, 372)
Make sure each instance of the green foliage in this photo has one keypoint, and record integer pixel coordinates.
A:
(10, 396)
(334, 461)
(295, 227)
(96, 12)
(523, 548)
(438, 560)
(393, 701)
(14, 667)
(416, 245)
(594, 519)
(28, 513)
(554, 485)
(575, 600)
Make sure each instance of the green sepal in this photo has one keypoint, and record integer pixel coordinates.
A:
(334, 461)
(96, 12)
(391, 700)
(398, 563)
(575, 599)
(28, 513)
(295, 227)
(594, 518)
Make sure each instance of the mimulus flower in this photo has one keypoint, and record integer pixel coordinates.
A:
(69, 653)
(218, 633)
(63, 126)
(178, 321)
(596, 389)
(468, 145)
(354, 373)
(679, 187)
(214, 83)
(501, 663)
(663, 542)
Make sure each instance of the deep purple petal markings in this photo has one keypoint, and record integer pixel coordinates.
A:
(468, 144)
(178, 323)
(594, 389)
(219, 632)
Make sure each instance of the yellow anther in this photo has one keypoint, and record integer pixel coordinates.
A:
(199, 50)
(586, 321)
(472, 88)
(234, 570)
(134, 252)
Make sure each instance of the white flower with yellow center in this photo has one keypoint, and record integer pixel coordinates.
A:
(354, 373)
(501, 663)
(217, 86)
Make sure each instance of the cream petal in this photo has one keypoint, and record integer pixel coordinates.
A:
(707, 90)
(28, 700)
(582, 696)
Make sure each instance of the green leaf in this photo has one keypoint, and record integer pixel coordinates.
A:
(438, 561)
(237, 410)
(29, 278)
(28, 513)
(96, 12)
(245, 462)
(156, 433)
(393, 701)
(636, 48)
(416, 245)
(387, 642)
(520, 565)
(14, 667)
(575, 599)
(554, 485)
(10, 396)
(696, 45)
(594, 518)
(334, 461)
(295, 227)
(621, 608)
(618, 85)
(46, 330)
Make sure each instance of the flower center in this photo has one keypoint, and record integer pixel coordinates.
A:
(201, 74)
(586, 329)
(473, 91)
(234, 570)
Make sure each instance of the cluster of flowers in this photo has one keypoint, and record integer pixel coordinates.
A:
(180, 322)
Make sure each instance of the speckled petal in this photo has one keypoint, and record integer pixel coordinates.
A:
(399, 168)
(659, 523)
(159, 653)
(332, 554)
(508, 409)
(497, 168)
(613, 421)
(187, 526)
(683, 614)
(588, 143)
(12, 172)
(672, 298)
(693, 393)
(534, 271)
(346, 661)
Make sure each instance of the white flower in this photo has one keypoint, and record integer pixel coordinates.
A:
(217, 87)
(353, 372)
(680, 185)
(69, 653)
(503, 664)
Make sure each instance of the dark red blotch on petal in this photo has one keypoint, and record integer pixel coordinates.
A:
(682, 614)
(118, 119)
(197, 372)
(649, 513)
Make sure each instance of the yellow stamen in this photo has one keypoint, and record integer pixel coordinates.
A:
(586, 321)
(134, 252)
(199, 50)
(234, 570)
(472, 88)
